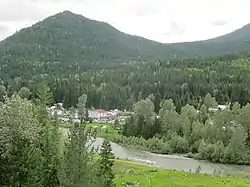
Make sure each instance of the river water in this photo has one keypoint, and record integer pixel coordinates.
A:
(174, 162)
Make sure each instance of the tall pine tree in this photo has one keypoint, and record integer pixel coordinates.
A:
(106, 162)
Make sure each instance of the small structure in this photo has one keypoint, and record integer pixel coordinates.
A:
(223, 107)
(102, 115)
(58, 110)
(219, 107)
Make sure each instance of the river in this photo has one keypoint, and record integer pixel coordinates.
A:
(174, 162)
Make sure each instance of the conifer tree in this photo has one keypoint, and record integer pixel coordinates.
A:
(81, 105)
(78, 165)
(20, 155)
(49, 138)
(106, 162)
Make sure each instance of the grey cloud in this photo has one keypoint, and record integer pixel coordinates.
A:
(53, 1)
(140, 10)
(174, 28)
(16, 10)
(4, 31)
(220, 22)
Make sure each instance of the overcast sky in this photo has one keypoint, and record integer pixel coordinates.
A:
(160, 20)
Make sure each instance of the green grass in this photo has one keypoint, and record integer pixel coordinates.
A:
(68, 125)
(128, 171)
(108, 125)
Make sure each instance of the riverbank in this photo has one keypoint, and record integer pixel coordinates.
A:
(171, 147)
(170, 161)
(126, 172)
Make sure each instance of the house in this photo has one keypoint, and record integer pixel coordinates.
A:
(223, 107)
(97, 114)
(59, 110)
(219, 107)
(102, 115)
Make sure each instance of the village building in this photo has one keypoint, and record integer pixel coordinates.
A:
(102, 115)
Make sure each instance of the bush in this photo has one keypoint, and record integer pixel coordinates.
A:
(179, 144)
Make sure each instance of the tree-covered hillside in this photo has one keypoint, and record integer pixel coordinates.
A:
(71, 38)
(237, 41)
(68, 37)
(75, 55)
(185, 81)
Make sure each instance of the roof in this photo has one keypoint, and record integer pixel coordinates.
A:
(222, 107)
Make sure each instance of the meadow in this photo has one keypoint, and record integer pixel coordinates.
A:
(126, 171)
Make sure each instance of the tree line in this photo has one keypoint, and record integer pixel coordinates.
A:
(209, 133)
(34, 151)
(119, 84)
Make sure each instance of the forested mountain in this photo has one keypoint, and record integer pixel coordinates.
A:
(71, 38)
(76, 55)
(185, 81)
(237, 41)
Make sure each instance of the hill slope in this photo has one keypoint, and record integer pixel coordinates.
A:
(68, 37)
(236, 41)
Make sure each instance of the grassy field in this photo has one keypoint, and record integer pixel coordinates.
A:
(68, 125)
(107, 132)
(127, 171)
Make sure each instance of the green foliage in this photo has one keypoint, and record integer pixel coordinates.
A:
(203, 115)
(244, 119)
(179, 144)
(49, 139)
(129, 128)
(190, 112)
(218, 136)
(67, 37)
(167, 105)
(116, 124)
(2, 92)
(78, 165)
(81, 106)
(157, 126)
(119, 86)
(44, 94)
(166, 178)
(32, 152)
(24, 92)
(234, 152)
(210, 101)
(144, 108)
(106, 163)
(20, 155)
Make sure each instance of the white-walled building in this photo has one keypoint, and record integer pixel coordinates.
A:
(219, 107)
(100, 114)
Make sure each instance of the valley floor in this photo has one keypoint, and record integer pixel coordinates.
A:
(130, 172)
(127, 171)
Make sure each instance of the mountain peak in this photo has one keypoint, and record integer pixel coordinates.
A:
(67, 13)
